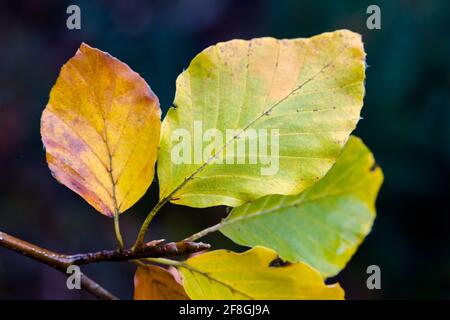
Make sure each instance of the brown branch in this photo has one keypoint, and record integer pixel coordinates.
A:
(153, 249)
(95, 289)
(53, 260)
(50, 258)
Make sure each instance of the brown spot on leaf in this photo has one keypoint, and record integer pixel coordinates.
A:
(374, 167)
(279, 263)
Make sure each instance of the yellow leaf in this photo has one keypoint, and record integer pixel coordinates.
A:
(156, 283)
(255, 274)
(259, 117)
(101, 131)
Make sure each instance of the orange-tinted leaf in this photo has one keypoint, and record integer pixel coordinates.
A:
(101, 130)
(156, 283)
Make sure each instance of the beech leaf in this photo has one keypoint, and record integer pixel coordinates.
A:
(322, 226)
(255, 274)
(101, 131)
(301, 97)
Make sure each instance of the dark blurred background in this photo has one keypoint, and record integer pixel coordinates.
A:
(406, 124)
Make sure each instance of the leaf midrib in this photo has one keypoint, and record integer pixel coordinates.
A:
(211, 278)
(300, 201)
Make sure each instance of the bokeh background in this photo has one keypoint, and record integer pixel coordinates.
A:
(406, 124)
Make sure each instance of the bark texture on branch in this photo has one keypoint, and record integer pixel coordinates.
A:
(153, 249)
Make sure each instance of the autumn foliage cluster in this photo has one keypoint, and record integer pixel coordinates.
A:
(103, 138)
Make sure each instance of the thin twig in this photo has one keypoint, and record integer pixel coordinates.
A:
(153, 249)
(95, 289)
(158, 250)
(54, 260)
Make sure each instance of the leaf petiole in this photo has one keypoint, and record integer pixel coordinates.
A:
(117, 231)
(146, 223)
(165, 261)
(204, 232)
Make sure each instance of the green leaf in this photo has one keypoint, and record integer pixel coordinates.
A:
(310, 90)
(324, 225)
(255, 274)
